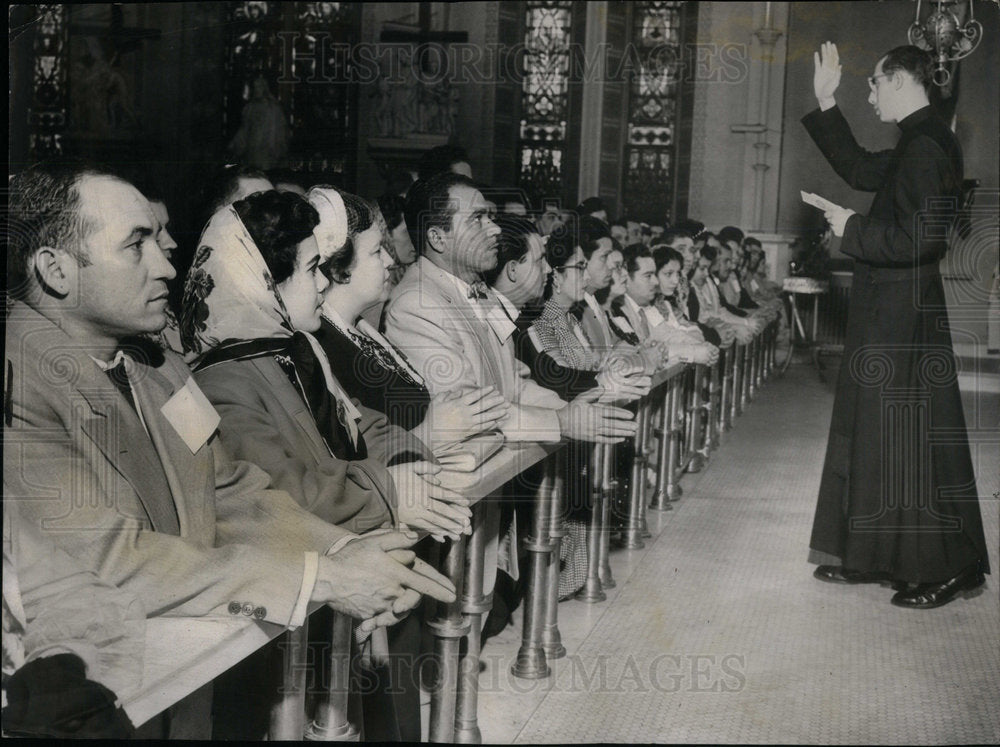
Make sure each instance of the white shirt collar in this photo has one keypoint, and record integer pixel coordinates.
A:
(512, 311)
(594, 306)
(120, 357)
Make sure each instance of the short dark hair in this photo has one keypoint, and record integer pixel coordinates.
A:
(222, 185)
(693, 228)
(731, 233)
(750, 241)
(671, 235)
(512, 244)
(391, 205)
(917, 62)
(663, 254)
(707, 235)
(591, 205)
(398, 181)
(591, 230)
(361, 215)
(441, 158)
(277, 222)
(428, 205)
(631, 255)
(44, 210)
(708, 252)
(559, 248)
(500, 196)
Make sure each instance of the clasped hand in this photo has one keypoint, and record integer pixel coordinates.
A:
(586, 419)
(454, 416)
(377, 579)
(424, 503)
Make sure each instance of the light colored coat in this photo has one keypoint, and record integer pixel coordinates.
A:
(188, 534)
(265, 421)
(454, 350)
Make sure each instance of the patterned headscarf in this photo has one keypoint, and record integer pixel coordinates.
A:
(232, 309)
(229, 293)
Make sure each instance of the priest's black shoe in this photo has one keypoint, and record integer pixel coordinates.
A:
(837, 574)
(928, 596)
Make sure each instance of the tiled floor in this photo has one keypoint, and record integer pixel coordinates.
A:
(717, 631)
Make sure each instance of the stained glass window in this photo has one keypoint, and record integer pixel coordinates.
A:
(653, 94)
(544, 98)
(47, 117)
(322, 104)
(301, 50)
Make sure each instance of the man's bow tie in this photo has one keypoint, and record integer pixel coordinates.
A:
(477, 289)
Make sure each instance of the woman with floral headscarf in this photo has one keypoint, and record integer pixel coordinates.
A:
(251, 303)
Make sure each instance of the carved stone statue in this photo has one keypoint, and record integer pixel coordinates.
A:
(419, 102)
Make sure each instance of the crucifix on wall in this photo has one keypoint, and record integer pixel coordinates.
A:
(414, 97)
(104, 72)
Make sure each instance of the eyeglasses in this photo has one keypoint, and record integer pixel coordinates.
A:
(578, 266)
(872, 81)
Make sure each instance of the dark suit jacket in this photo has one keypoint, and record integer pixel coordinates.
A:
(564, 381)
(722, 299)
(188, 533)
(403, 402)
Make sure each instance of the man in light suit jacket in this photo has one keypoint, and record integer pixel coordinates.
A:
(457, 331)
(111, 448)
(72, 644)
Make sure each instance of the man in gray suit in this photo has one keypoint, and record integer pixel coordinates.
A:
(111, 449)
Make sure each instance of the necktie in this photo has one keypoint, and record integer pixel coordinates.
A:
(643, 324)
(477, 290)
(119, 378)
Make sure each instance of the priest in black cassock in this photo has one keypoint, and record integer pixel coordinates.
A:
(897, 501)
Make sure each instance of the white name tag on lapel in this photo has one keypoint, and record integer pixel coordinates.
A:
(499, 322)
(191, 415)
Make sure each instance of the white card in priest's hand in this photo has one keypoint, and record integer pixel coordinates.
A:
(818, 202)
(191, 415)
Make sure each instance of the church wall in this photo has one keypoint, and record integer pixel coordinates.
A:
(474, 130)
(717, 154)
(862, 32)
(721, 165)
